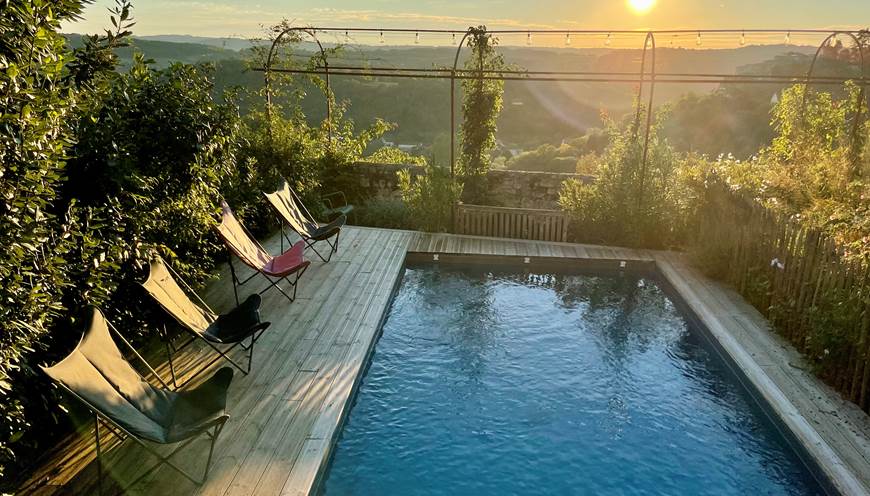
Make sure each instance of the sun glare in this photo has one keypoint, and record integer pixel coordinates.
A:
(641, 6)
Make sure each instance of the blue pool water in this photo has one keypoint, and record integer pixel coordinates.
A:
(496, 384)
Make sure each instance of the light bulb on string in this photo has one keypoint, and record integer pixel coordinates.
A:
(453, 39)
(698, 40)
(416, 38)
(382, 38)
(529, 38)
(567, 39)
(788, 38)
(347, 37)
(743, 38)
(607, 40)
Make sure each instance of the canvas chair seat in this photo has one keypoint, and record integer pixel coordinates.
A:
(246, 248)
(98, 375)
(200, 406)
(326, 231)
(97, 372)
(287, 262)
(237, 324)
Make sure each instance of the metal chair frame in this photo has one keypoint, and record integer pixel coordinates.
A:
(171, 349)
(124, 434)
(333, 246)
(272, 283)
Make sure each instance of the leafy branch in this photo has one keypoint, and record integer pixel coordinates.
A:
(97, 54)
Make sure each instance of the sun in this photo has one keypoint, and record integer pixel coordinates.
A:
(641, 6)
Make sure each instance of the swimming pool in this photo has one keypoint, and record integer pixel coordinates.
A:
(492, 382)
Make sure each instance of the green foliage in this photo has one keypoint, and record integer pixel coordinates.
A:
(793, 221)
(98, 168)
(96, 56)
(816, 167)
(628, 204)
(482, 100)
(41, 85)
(385, 212)
(548, 158)
(430, 197)
(306, 156)
(158, 149)
(392, 155)
(727, 121)
(280, 142)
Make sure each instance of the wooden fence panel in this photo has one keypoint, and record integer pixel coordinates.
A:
(515, 223)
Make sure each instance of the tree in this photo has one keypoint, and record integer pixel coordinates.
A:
(42, 85)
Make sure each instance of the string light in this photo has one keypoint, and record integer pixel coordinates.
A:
(529, 38)
(453, 39)
(416, 38)
(382, 38)
(567, 39)
(698, 40)
(743, 38)
(346, 37)
(607, 40)
(788, 38)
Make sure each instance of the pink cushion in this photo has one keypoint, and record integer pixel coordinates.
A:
(288, 262)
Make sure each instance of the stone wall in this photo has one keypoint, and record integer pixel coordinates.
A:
(506, 188)
(527, 189)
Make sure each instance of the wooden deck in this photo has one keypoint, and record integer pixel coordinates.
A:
(287, 412)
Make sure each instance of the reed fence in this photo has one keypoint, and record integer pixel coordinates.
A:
(812, 290)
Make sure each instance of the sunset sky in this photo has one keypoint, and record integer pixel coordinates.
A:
(244, 18)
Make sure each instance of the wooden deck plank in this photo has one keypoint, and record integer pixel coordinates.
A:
(326, 365)
(319, 347)
(348, 375)
(286, 360)
(288, 411)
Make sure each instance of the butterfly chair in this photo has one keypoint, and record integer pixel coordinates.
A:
(293, 213)
(198, 319)
(246, 248)
(97, 374)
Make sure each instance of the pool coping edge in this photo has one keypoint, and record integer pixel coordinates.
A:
(837, 473)
(838, 476)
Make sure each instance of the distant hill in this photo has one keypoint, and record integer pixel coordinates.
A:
(534, 112)
(236, 44)
(164, 53)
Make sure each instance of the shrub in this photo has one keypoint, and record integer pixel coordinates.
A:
(41, 84)
(160, 150)
(627, 205)
(547, 158)
(816, 167)
(385, 212)
(391, 155)
(102, 168)
(282, 143)
(793, 221)
(430, 197)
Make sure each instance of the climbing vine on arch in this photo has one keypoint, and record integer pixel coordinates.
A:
(482, 101)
